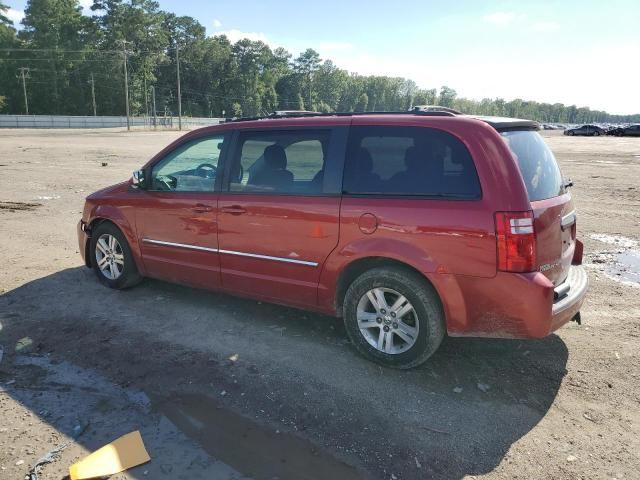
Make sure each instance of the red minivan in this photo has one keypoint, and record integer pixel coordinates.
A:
(408, 225)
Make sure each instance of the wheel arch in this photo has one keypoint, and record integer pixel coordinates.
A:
(92, 225)
(123, 226)
(357, 267)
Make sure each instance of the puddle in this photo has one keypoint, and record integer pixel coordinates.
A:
(626, 267)
(18, 206)
(255, 451)
(83, 406)
(622, 264)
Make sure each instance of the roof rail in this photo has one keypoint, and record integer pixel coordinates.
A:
(301, 114)
(433, 108)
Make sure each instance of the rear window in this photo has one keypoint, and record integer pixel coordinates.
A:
(408, 161)
(537, 164)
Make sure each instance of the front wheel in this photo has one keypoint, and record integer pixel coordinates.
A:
(393, 317)
(112, 259)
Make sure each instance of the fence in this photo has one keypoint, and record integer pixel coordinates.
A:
(68, 121)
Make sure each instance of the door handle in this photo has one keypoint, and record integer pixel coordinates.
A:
(234, 210)
(202, 208)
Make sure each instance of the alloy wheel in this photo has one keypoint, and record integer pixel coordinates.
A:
(109, 256)
(387, 320)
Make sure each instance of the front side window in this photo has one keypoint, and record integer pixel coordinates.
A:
(280, 162)
(191, 167)
(409, 161)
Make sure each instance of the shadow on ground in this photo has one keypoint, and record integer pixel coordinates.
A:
(270, 391)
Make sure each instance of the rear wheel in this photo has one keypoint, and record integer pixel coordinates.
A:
(111, 257)
(393, 317)
(596, 133)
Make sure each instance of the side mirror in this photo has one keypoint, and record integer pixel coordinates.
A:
(138, 179)
(568, 183)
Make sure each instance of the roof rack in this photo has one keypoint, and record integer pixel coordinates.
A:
(300, 114)
(433, 108)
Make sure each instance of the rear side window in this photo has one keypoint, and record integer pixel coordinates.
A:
(537, 163)
(409, 161)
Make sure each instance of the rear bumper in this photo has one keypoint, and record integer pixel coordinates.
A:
(514, 305)
(567, 306)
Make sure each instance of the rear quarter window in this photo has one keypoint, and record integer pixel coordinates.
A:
(409, 161)
(537, 164)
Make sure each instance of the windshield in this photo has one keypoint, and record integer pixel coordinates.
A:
(537, 164)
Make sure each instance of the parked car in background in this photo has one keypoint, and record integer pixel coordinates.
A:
(410, 226)
(585, 130)
(628, 131)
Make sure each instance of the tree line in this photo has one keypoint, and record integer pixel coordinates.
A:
(74, 64)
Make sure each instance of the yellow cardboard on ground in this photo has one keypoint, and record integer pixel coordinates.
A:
(126, 452)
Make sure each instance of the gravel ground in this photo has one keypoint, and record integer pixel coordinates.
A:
(227, 388)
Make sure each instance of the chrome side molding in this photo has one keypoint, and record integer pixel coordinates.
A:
(179, 245)
(230, 252)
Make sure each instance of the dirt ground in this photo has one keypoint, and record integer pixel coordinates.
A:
(227, 388)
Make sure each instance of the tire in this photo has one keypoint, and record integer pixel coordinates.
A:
(123, 272)
(571, 133)
(596, 134)
(407, 348)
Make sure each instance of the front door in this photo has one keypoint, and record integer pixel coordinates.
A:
(177, 223)
(279, 214)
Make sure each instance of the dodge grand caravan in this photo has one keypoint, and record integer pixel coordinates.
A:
(410, 225)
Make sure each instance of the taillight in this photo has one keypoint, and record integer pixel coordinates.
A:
(516, 239)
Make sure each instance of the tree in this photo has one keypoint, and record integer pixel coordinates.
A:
(330, 82)
(363, 102)
(4, 20)
(307, 64)
(447, 96)
(67, 53)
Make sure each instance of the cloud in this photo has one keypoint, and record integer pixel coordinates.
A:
(499, 18)
(234, 35)
(335, 46)
(14, 15)
(544, 27)
(217, 23)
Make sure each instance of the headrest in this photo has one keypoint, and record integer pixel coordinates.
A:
(413, 158)
(275, 157)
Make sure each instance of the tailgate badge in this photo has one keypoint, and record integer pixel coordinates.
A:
(549, 266)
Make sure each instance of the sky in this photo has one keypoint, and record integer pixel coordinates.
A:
(585, 52)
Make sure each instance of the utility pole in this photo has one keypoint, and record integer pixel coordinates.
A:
(179, 96)
(126, 82)
(24, 76)
(93, 94)
(153, 103)
(146, 94)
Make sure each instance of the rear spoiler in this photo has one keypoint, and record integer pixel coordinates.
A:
(505, 124)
